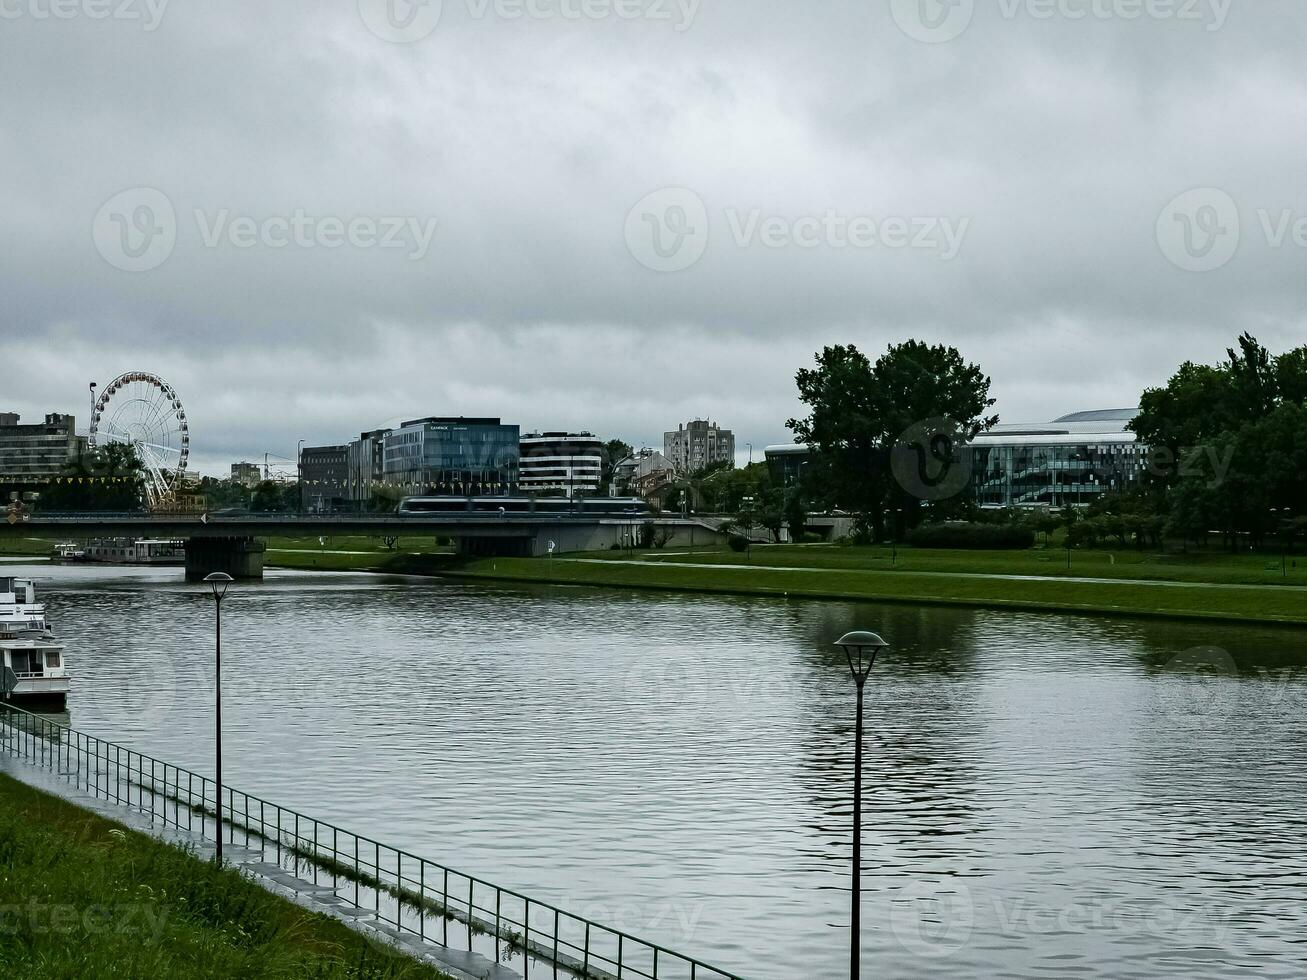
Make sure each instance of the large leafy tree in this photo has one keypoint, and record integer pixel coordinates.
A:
(858, 411)
(1229, 444)
(106, 478)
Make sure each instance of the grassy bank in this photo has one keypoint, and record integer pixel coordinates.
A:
(1246, 587)
(82, 897)
(345, 554)
(1127, 564)
(779, 576)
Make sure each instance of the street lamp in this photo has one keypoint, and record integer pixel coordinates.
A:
(299, 472)
(220, 582)
(1276, 516)
(861, 649)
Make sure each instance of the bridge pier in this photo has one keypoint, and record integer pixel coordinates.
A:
(238, 557)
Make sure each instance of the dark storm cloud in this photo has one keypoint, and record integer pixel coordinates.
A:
(289, 141)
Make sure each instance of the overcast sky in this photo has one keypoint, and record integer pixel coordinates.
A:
(314, 217)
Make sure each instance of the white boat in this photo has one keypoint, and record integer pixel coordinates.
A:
(69, 551)
(32, 665)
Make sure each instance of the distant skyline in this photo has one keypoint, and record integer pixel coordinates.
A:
(313, 221)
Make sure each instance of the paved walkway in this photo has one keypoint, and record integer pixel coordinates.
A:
(993, 576)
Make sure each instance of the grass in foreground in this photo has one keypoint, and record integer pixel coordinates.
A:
(82, 897)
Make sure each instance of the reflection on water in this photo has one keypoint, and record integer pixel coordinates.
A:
(1046, 795)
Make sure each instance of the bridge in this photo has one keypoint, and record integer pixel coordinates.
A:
(235, 544)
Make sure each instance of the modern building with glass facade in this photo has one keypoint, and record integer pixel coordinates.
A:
(561, 463)
(1069, 462)
(366, 465)
(452, 456)
(786, 463)
(32, 455)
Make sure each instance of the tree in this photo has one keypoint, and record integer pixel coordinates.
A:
(270, 497)
(796, 518)
(615, 450)
(858, 411)
(1228, 444)
(106, 478)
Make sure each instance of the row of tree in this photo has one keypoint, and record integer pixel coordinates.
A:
(1226, 446)
(1227, 450)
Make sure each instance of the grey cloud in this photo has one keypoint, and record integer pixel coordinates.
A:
(1061, 141)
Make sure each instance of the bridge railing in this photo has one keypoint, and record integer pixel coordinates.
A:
(410, 894)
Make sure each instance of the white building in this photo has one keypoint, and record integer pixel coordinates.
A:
(568, 463)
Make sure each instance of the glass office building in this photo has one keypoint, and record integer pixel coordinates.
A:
(1069, 462)
(452, 456)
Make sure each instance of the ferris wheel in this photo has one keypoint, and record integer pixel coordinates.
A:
(143, 411)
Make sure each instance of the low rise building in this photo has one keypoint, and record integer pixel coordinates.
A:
(561, 463)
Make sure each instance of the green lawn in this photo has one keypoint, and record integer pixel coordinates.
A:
(81, 897)
(1262, 568)
(352, 553)
(919, 578)
(871, 573)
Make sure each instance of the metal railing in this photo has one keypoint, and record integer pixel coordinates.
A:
(410, 894)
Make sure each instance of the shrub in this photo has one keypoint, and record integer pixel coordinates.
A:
(738, 542)
(972, 536)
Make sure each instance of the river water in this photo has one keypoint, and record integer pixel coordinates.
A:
(1045, 796)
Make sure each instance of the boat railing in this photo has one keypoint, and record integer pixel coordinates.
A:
(403, 892)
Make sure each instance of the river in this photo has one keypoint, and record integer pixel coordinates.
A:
(1046, 795)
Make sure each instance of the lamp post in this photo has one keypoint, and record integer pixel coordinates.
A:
(861, 649)
(219, 581)
(299, 472)
(1282, 518)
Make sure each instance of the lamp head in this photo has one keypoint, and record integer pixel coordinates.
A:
(219, 582)
(861, 648)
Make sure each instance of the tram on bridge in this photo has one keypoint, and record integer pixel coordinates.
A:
(599, 507)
